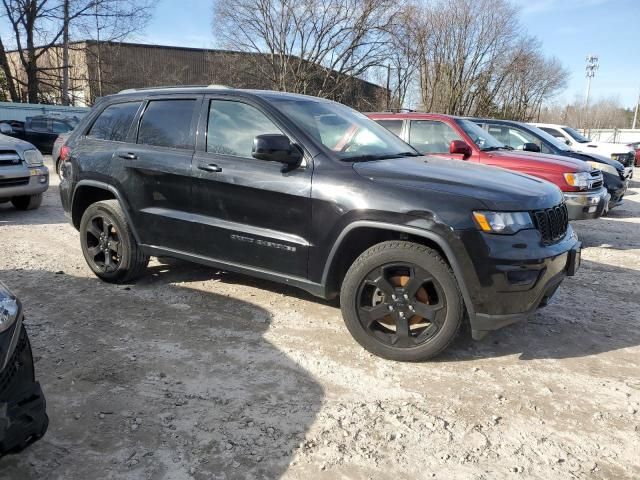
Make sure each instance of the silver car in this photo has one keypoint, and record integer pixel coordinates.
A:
(23, 176)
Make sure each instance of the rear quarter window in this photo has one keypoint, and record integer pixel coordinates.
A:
(114, 122)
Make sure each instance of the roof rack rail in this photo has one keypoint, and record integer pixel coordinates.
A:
(143, 89)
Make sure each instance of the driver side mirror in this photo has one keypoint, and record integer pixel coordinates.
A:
(458, 147)
(6, 129)
(531, 147)
(568, 142)
(276, 148)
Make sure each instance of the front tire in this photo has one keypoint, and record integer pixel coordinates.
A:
(27, 202)
(401, 301)
(108, 245)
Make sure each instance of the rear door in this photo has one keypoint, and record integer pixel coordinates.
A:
(248, 211)
(156, 166)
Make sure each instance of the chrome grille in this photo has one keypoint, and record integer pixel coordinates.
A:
(552, 223)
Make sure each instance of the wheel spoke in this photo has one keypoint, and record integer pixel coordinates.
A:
(428, 312)
(418, 278)
(93, 230)
(379, 280)
(116, 247)
(369, 315)
(403, 334)
(94, 251)
(106, 227)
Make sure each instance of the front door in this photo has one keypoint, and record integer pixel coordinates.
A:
(248, 211)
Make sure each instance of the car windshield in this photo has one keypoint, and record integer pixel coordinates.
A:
(575, 135)
(483, 140)
(549, 138)
(346, 134)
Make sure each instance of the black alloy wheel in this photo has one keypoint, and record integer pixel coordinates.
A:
(103, 243)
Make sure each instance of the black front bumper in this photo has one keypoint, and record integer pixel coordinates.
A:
(23, 417)
(514, 275)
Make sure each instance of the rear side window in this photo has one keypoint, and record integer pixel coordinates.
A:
(114, 122)
(431, 136)
(39, 124)
(553, 131)
(232, 127)
(60, 127)
(394, 126)
(167, 123)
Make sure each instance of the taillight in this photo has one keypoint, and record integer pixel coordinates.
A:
(64, 153)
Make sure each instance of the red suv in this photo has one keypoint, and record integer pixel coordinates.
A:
(460, 139)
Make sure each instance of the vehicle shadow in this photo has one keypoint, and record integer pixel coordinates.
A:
(614, 235)
(50, 212)
(168, 382)
(593, 313)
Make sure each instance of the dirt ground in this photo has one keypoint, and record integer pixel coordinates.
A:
(196, 373)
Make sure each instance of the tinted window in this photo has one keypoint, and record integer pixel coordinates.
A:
(552, 131)
(114, 122)
(430, 136)
(513, 137)
(232, 127)
(39, 124)
(60, 127)
(167, 123)
(394, 126)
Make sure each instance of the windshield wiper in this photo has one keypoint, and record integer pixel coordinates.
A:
(492, 149)
(385, 156)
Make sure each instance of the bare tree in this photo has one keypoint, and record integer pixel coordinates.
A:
(308, 46)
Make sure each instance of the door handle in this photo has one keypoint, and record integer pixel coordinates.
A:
(128, 156)
(212, 167)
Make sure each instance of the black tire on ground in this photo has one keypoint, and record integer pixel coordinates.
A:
(422, 263)
(124, 260)
(27, 202)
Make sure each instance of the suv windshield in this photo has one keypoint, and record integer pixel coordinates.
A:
(483, 140)
(347, 134)
(575, 135)
(549, 138)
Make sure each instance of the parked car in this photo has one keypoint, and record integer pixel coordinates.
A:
(23, 176)
(636, 148)
(23, 417)
(274, 185)
(616, 151)
(56, 152)
(451, 137)
(526, 137)
(42, 130)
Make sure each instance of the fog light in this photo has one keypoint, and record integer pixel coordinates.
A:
(592, 209)
(43, 178)
(522, 277)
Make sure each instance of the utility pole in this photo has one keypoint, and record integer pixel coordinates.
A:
(65, 55)
(388, 87)
(635, 115)
(592, 66)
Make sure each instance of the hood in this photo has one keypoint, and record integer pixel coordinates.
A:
(540, 161)
(14, 143)
(496, 188)
(594, 157)
(603, 148)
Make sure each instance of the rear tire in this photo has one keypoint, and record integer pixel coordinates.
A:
(108, 244)
(400, 300)
(27, 202)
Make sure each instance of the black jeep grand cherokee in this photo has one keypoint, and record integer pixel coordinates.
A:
(308, 192)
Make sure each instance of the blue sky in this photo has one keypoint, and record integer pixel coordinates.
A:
(568, 29)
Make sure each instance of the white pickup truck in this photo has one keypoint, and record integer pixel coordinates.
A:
(616, 151)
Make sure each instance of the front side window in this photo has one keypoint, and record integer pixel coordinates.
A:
(482, 139)
(167, 123)
(576, 135)
(39, 124)
(346, 134)
(553, 132)
(114, 122)
(60, 127)
(232, 126)
(394, 126)
(431, 136)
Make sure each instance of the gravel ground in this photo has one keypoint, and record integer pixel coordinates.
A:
(196, 373)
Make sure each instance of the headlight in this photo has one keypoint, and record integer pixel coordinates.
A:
(579, 180)
(604, 167)
(503, 222)
(8, 308)
(33, 158)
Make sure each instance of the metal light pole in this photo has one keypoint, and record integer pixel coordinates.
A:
(635, 115)
(592, 66)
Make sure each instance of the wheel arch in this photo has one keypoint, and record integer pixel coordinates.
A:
(88, 192)
(342, 255)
